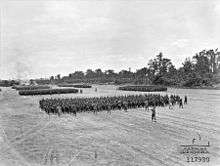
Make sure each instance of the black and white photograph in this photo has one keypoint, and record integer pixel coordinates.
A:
(110, 83)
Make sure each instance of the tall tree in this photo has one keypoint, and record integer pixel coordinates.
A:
(98, 73)
(110, 73)
(213, 57)
(90, 73)
(202, 65)
(58, 76)
(77, 75)
(51, 78)
(125, 74)
(158, 68)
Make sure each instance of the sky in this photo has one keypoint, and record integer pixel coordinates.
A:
(40, 38)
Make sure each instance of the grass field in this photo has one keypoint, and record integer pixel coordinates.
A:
(30, 137)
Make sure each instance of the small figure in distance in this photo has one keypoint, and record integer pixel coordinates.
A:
(73, 108)
(146, 104)
(170, 103)
(185, 100)
(125, 106)
(180, 103)
(95, 108)
(109, 108)
(59, 111)
(153, 115)
(96, 89)
(81, 91)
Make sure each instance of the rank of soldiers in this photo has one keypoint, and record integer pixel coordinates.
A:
(35, 87)
(48, 91)
(96, 104)
(75, 85)
(141, 88)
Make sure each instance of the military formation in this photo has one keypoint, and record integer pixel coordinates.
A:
(96, 104)
(47, 91)
(34, 87)
(142, 88)
(75, 85)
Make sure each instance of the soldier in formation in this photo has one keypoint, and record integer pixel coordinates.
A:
(95, 104)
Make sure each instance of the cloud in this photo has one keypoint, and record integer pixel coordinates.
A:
(217, 8)
(62, 36)
(180, 43)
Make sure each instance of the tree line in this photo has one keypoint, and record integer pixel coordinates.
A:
(200, 70)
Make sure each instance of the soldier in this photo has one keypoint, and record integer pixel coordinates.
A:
(146, 104)
(172, 100)
(119, 104)
(59, 110)
(109, 108)
(185, 100)
(73, 109)
(153, 115)
(125, 106)
(180, 103)
(95, 108)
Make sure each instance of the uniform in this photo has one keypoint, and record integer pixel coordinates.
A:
(153, 115)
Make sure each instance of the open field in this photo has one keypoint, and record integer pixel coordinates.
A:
(30, 137)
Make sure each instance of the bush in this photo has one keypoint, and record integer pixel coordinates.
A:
(30, 87)
(148, 88)
(47, 91)
(75, 85)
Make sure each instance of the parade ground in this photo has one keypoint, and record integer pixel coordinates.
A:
(29, 137)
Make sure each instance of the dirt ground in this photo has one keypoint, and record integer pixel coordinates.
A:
(29, 137)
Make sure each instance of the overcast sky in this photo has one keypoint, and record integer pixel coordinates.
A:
(40, 38)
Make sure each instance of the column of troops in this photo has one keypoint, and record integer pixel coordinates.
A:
(97, 104)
